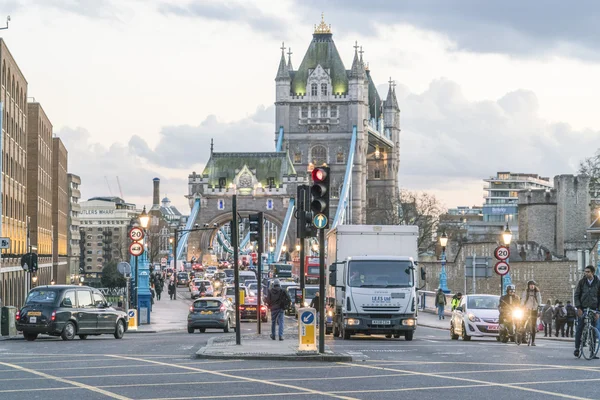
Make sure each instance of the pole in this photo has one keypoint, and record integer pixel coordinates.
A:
(302, 269)
(259, 291)
(137, 285)
(236, 268)
(127, 293)
(175, 250)
(322, 295)
(474, 275)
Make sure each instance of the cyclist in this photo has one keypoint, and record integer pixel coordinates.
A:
(587, 295)
(531, 300)
(507, 303)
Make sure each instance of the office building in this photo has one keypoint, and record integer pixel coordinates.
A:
(60, 209)
(74, 225)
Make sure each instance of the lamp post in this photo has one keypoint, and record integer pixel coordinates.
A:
(144, 218)
(505, 280)
(443, 277)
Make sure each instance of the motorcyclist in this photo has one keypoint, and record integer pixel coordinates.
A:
(202, 289)
(507, 303)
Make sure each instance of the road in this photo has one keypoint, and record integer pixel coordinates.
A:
(160, 366)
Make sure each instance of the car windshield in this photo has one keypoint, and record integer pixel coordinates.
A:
(229, 291)
(41, 296)
(182, 275)
(228, 272)
(483, 302)
(380, 273)
(202, 304)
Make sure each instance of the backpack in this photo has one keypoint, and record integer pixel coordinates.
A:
(560, 312)
(571, 313)
(285, 300)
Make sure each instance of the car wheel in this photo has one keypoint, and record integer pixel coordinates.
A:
(202, 330)
(396, 335)
(265, 319)
(465, 336)
(68, 332)
(453, 335)
(226, 329)
(190, 330)
(388, 336)
(119, 329)
(30, 337)
(82, 337)
(409, 335)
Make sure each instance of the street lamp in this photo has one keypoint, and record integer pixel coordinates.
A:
(297, 247)
(144, 218)
(52, 282)
(443, 277)
(506, 237)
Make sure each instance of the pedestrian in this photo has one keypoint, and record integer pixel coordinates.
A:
(278, 300)
(159, 288)
(316, 304)
(172, 290)
(440, 303)
(547, 314)
(456, 300)
(571, 315)
(587, 295)
(560, 318)
(531, 300)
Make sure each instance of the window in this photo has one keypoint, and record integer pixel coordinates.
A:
(304, 112)
(100, 229)
(270, 182)
(372, 202)
(69, 299)
(116, 229)
(100, 237)
(88, 236)
(319, 155)
(88, 267)
(222, 182)
(88, 259)
(313, 89)
(333, 113)
(99, 299)
(377, 174)
(99, 243)
(99, 259)
(313, 111)
(340, 157)
(323, 112)
(297, 158)
(89, 252)
(323, 89)
(88, 244)
(85, 299)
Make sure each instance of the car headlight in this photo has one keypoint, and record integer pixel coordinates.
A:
(517, 313)
(352, 321)
(473, 318)
(409, 322)
(330, 313)
(306, 304)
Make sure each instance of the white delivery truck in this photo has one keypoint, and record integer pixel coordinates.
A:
(372, 277)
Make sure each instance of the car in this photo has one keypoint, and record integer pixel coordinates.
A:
(211, 312)
(209, 272)
(246, 275)
(251, 288)
(248, 310)
(182, 279)
(68, 311)
(220, 275)
(229, 294)
(295, 296)
(229, 272)
(310, 292)
(476, 315)
(195, 289)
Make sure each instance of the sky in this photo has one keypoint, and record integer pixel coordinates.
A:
(137, 88)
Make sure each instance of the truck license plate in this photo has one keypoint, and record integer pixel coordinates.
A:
(381, 322)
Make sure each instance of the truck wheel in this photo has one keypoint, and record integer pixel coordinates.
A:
(396, 335)
(409, 335)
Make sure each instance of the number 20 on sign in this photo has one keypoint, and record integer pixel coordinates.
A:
(136, 234)
(502, 253)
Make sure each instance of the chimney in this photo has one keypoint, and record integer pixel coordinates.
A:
(156, 195)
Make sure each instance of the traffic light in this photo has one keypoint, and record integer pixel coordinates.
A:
(319, 191)
(309, 228)
(256, 229)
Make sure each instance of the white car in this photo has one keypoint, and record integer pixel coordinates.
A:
(209, 272)
(476, 315)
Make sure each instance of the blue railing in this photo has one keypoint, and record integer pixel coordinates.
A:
(279, 139)
(182, 240)
(284, 229)
(344, 202)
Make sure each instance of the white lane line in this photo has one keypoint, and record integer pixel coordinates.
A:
(66, 381)
(306, 390)
(476, 381)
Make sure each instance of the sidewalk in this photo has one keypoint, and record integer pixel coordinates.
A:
(430, 319)
(262, 347)
(168, 315)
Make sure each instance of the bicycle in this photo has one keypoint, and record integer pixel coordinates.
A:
(524, 332)
(590, 344)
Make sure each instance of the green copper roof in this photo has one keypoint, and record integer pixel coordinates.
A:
(375, 105)
(321, 51)
(267, 165)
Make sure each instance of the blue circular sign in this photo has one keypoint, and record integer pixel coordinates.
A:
(131, 313)
(307, 317)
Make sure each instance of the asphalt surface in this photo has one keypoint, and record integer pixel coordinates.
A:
(161, 366)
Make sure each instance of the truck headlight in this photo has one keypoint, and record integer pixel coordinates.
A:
(306, 304)
(473, 318)
(330, 313)
(352, 321)
(409, 322)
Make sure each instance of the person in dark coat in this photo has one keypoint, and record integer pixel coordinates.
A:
(158, 286)
(316, 304)
(278, 300)
(172, 290)
(587, 295)
(547, 315)
(440, 303)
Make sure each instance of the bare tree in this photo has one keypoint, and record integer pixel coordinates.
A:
(591, 166)
(422, 209)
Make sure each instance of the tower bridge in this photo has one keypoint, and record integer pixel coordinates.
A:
(325, 114)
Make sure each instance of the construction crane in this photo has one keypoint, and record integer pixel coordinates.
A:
(120, 190)
(108, 184)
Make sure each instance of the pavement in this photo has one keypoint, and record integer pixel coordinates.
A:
(430, 319)
(168, 315)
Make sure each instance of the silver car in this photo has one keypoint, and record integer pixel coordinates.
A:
(211, 312)
(195, 288)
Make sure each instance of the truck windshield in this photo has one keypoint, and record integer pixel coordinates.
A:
(380, 274)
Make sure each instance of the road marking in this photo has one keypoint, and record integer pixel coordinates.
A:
(38, 389)
(234, 396)
(311, 391)
(66, 381)
(476, 381)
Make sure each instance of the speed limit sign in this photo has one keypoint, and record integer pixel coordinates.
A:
(136, 234)
(136, 249)
(502, 253)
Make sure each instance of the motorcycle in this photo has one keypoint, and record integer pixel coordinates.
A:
(510, 329)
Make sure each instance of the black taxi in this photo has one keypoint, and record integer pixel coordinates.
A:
(68, 311)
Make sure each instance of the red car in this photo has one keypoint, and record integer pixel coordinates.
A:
(248, 310)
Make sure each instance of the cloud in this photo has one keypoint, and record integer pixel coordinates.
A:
(228, 12)
(510, 27)
(184, 146)
(96, 9)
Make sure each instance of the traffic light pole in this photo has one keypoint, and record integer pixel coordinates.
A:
(236, 268)
(322, 295)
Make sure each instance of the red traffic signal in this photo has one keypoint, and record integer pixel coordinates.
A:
(319, 174)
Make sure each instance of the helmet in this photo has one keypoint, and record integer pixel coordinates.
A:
(531, 282)
(459, 294)
(510, 287)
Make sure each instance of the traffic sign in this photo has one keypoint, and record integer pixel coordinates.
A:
(136, 249)
(320, 221)
(502, 268)
(308, 317)
(4, 243)
(502, 253)
(136, 234)
(124, 268)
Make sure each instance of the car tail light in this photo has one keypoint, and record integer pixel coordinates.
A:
(18, 315)
(53, 316)
(191, 308)
(223, 308)
(263, 308)
(242, 307)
